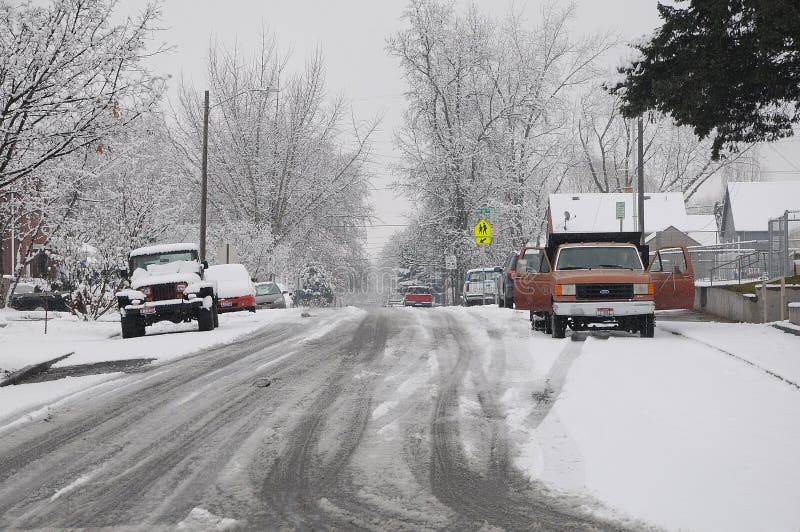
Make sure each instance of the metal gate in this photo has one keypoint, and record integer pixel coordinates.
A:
(784, 245)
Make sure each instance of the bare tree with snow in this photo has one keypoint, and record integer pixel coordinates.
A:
(287, 181)
(488, 121)
(68, 74)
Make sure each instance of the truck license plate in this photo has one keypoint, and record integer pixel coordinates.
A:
(605, 312)
(225, 304)
(148, 310)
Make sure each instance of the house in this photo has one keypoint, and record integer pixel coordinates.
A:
(595, 213)
(25, 245)
(671, 236)
(749, 206)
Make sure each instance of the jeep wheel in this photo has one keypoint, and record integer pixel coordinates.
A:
(132, 327)
(647, 326)
(205, 319)
(558, 325)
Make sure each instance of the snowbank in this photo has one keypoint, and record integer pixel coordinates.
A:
(24, 343)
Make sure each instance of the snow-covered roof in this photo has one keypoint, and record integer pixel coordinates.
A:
(702, 228)
(753, 204)
(598, 212)
(164, 248)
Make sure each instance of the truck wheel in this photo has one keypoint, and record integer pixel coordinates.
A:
(509, 303)
(205, 319)
(647, 326)
(547, 323)
(131, 327)
(558, 325)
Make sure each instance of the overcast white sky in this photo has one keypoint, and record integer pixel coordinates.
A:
(352, 35)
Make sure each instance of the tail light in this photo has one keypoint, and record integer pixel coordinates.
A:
(180, 287)
(511, 273)
(467, 290)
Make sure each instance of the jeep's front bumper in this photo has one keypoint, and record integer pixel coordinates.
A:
(600, 308)
(171, 307)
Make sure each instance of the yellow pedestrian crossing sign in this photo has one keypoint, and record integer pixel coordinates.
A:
(483, 233)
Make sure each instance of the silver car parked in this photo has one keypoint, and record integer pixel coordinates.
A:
(270, 295)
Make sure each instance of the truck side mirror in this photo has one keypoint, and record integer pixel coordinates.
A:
(205, 264)
(522, 265)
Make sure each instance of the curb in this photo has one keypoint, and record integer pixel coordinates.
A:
(29, 371)
(786, 329)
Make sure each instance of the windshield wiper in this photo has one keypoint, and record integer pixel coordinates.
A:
(574, 268)
(616, 266)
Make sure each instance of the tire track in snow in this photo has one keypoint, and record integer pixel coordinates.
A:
(147, 446)
(301, 477)
(500, 496)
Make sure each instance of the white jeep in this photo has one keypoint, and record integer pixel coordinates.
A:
(166, 283)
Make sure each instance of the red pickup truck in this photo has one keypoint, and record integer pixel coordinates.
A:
(418, 296)
(583, 280)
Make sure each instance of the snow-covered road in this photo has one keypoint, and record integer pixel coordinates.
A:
(425, 419)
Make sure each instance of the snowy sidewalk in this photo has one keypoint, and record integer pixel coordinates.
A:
(763, 345)
(23, 342)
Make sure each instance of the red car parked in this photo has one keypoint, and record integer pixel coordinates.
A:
(418, 296)
(235, 289)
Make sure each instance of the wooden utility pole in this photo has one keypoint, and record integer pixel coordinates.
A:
(640, 178)
(204, 182)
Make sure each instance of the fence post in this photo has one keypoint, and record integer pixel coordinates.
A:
(783, 298)
(785, 262)
(764, 296)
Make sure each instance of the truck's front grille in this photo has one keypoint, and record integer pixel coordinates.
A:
(161, 292)
(604, 291)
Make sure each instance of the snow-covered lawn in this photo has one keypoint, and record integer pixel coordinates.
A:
(23, 342)
(669, 431)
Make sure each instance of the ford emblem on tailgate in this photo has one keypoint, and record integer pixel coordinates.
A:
(604, 292)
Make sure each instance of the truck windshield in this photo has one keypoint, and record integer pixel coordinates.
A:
(599, 257)
(143, 261)
(476, 277)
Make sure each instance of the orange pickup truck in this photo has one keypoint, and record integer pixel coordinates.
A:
(586, 280)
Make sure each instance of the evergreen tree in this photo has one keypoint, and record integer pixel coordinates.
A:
(728, 68)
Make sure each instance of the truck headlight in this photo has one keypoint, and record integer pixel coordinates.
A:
(146, 290)
(565, 289)
(643, 289)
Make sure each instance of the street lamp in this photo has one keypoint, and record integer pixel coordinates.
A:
(204, 164)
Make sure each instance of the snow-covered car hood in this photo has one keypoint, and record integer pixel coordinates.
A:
(182, 271)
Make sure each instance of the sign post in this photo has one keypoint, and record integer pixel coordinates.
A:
(620, 213)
